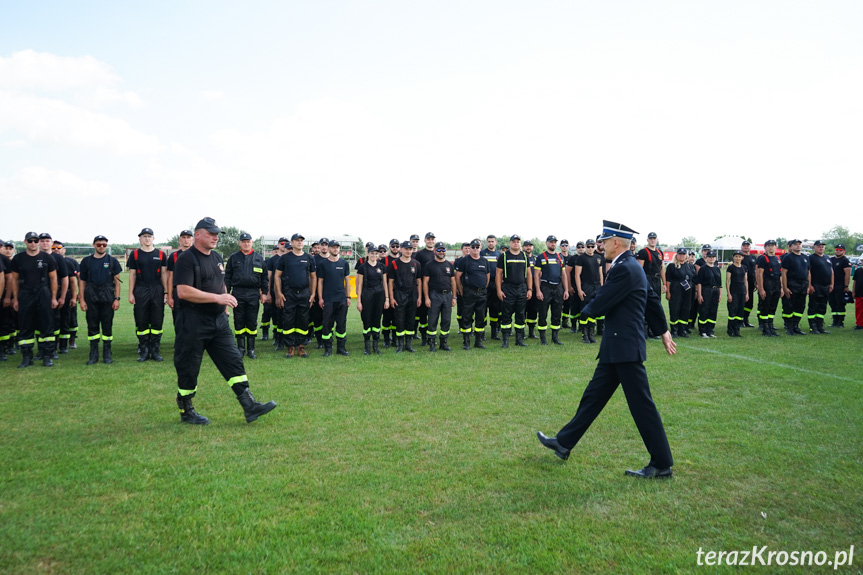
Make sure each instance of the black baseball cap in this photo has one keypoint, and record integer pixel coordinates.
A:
(737, 253)
(439, 245)
(515, 237)
(770, 243)
(8, 244)
(315, 244)
(186, 233)
(382, 248)
(705, 247)
(395, 242)
(414, 237)
(465, 244)
(590, 243)
(407, 245)
(682, 251)
(245, 236)
(580, 244)
(475, 243)
(651, 235)
(58, 243)
(838, 246)
(632, 241)
(45, 236)
(819, 243)
(710, 254)
(297, 237)
(746, 243)
(283, 240)
(334, 243)
(100, 239)
(527, 243)
(208, 224)
(150, 231)
(428, 235)
(323, 241)
(564, 243)
(31, 236)
(794, 241)
(551, 239)
(370, 246)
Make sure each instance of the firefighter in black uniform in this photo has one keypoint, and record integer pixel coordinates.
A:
(405, 286)
(69, 307)
(749, 263)
(471, 280)
(247, 281)
(202, 324)
(372, 295)
(316, 312)
(514, 284)
(439, 292)
(841, 285)
(589, 277)
(795, 286)
(7, 328)
(566, 309)
(269, 305)
(679, 284)
(493, 303)
(708, 293)
(423, 257)
(651, 260)
(45, 244)
(185, 241)
(296, 288)
(272, 265)
(465, 251)
(768, 274)
(821, 285)
(334, 297)
(147, 292)
(553, 290)
(388, 323)
(34, 297)
(531, 308)
(736, 282)
(99, 298)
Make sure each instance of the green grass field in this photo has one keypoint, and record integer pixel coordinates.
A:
(429, 463)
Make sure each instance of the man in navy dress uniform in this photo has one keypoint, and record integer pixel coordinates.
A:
(625, 300)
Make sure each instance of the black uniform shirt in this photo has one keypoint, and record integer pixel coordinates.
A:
(491, 256)
(100, 271)
(148, 264)
(858, 282)
(797, 266)
(5, 263)
(33, 270)
(72, 267)
(683, 275)
(211, 279)
(60, 264)
(515, 267)
(551, 265)
(821, 270)
(653, 259)
(473, 272)
(172, 260)
(296, 270)
(333, 274)
(771, 266)
(589, 268)
(839, 267)
(404, 275)
(373, 275)
(738, 285)
(439, 275)
(710, 276)
(424, 257)
(749, 264)
(246, 272)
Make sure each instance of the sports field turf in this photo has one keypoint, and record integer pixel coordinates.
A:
(429, 463)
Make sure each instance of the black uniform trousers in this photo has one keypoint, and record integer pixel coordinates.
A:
(633, 378)
(750, 304)
(655, 282)
(422, 316)
(100, 312)
(295, 316)
(149, 309)
(388, 319)
(837, 303)
(36, 318)
(794, 306)
(441, 309)
(267, 315)
(405, 312)
(373, 310)
(818, 303)
(196, 332)
(316, 318)
(708, 309)
(552, 297)
(678, 305)
(693, 307)
(589, 293)
(8, 323)
(515, 303)
(493, 304)
(736, 305)
(335, 314)
(767, 305)
(246, 312)
(63, 327)
(473, 309)
(531, 310)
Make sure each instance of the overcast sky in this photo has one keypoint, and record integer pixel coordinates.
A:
(382, 119)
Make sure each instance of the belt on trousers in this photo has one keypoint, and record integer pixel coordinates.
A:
(297, 290)
(443, 291)
(476, 289)
(551, 283)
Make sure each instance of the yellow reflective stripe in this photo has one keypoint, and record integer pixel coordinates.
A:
(107, 337)
(156, 331)
(258, 270)
(341, 335)
(238, 379)
(26, 342)
(94, 337)
(185, 392)
(327, 336)
(145, 332)
(300, 331)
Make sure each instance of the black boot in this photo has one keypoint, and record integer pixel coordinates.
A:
(3, 350)
(72, 338)
(266, 332)
(465, 341)
(431, 343)
(409, 343)
(477, 340)
(495, 331)
(555, 339)
(821, 326)
(386, 337)
(443, 343)
(63, 345)
(797, 329)
(531, 331)
(505, 333)
(188, 413)
(564, 323)
(94, 352)
(254, 409)
(155, 344)
(375, 346)
(584, 337)
(280, 339)
(320, 339)
(519, 338)
(143, 348)
(400, 344)
(425, 337)
(250, 347)
(542, 340)
(107, 356)
(591, 330)
(328, 347)
(367, 350)
(47, 355)
(26, 357)
(241, 344)
(341, 342)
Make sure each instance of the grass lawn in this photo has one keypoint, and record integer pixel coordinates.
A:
(429, 463)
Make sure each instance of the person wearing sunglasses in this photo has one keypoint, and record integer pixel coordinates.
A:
(388, 321)
(403, 276)
(841, 284)
(99, 298)
(34, 297)
(439, 295)
(316, 312)
(271, 315)
(424, 256)
(471, 280)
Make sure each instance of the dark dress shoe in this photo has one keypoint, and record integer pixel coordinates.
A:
(650, 472)
(551, 443)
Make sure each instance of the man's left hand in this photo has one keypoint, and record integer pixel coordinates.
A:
(669, 344)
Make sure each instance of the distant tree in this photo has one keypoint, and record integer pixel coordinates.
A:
(689, 242)
(229, 241)
(842, 235)
(781, 242)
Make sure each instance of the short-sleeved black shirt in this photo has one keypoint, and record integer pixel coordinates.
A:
(839, 267)
(72, 267)
(33, 270)
(738, 282)
(771, 265)
(424, 256)
(551, 266)
(473, 272)
(679, 275)
(749, 264)
(797, 266)
(491, 256)
(653, 259)
(590, 266)
(404, 275)
(515, 267)
(709, 276)
(100, 271)
(60, 264)
(373, 275)
(333, 273)
(439, 274)
(148, 265)
(821, 270)
(296, 270)
(211, 280)
(5, 263)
